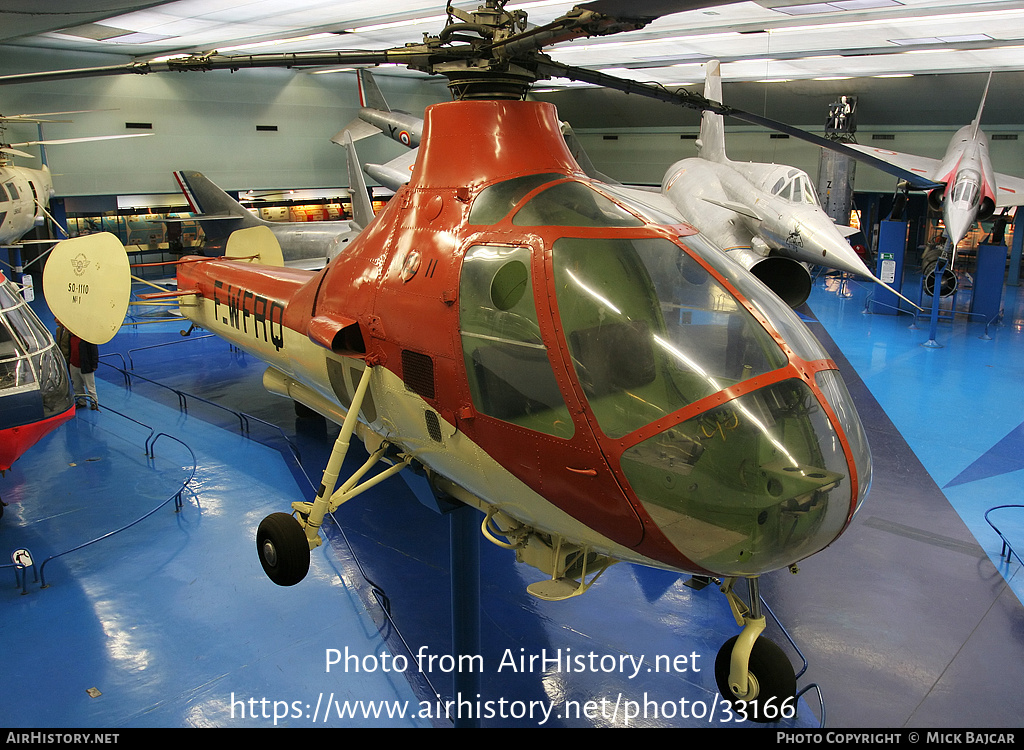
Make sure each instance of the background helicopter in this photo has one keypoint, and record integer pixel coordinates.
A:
(25, 192)
(35, 390)
(602, 387)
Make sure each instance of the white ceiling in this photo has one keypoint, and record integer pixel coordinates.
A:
(766, 40)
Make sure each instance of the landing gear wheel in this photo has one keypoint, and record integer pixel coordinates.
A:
(283, 549)
(770, 673)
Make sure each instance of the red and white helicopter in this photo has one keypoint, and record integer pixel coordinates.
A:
(601, 385)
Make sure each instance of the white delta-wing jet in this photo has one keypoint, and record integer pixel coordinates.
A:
(760, 214)
(968, 189)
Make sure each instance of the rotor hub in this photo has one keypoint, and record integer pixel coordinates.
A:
(488, 84)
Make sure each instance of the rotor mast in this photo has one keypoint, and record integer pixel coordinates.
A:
(502, 57)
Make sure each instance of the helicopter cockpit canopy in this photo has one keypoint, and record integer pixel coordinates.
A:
(34, 382)
(678, 354)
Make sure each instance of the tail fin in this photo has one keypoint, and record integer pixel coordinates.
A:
(369, 92)
(977, 120)
(711, 145)
(362, 209)
(217, 212)
(370, 97)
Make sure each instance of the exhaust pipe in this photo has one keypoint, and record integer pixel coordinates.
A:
(789, 279)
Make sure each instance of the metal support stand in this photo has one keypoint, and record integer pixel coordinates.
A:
(1016, 249)
(940, 266)
(21, 559)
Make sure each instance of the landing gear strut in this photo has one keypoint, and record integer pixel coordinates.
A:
(283, 541)
(751, 671)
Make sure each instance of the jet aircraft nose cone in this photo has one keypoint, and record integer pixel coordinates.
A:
(822, 239)
(958, 222)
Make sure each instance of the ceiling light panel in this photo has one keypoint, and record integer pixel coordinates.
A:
(789, 32)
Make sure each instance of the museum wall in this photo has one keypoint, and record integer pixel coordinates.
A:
(208, 122)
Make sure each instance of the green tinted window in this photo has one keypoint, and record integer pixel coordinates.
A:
(749, 486)
(650, 331)
(510, 376)
(573, 204)
(495, 201)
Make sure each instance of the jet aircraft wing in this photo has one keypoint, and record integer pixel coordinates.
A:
(657, 207)
(1009, 191)
(358, 129)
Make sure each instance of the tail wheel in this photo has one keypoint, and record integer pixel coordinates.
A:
(283, 549)
(771, 677)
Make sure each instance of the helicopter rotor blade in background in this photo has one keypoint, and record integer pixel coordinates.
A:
(85, 139)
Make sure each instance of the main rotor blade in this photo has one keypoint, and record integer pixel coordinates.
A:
(85, 139)
(411, 56)
(649, 9)
(597, 18)
(35, 115)
(63, 75)
(693, 100)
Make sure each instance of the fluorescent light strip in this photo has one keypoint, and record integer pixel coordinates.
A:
(889, 19)
(395, 24)
(276, 42)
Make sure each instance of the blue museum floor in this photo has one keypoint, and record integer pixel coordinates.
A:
(911, 619)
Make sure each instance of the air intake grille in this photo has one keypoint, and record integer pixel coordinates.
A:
(418, 373)
(433, 426)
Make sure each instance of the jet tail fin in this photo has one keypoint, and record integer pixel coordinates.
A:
(217, 212)
(369, 93)
(362, 209)
(711, 145)
(581, 156)
(977, 120)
